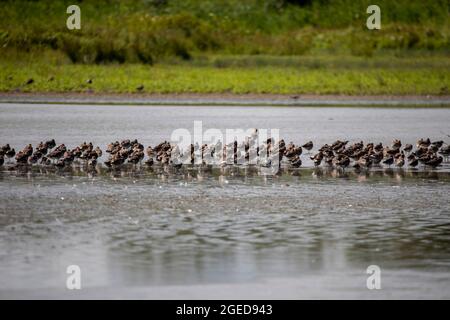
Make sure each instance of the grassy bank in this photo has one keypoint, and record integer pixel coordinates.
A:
(226, 46)
(224, 74)
(148, 31)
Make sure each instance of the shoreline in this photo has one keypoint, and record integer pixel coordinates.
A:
(225, 99)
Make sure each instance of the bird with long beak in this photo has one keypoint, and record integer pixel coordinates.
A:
(396, 144)
(412, 161)
(389, 160)
(400, 160)
(308, 146)
(408, 147)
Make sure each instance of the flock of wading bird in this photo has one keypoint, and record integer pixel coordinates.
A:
(339, 154)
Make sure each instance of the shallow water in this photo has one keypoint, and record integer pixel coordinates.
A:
(223, 233)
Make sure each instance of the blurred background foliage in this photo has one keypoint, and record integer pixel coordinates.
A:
(148, 31)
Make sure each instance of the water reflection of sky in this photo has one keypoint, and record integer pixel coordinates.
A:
(73, 124)
(160, 227)
(146, 230)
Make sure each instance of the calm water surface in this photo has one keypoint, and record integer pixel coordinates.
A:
(223, 233)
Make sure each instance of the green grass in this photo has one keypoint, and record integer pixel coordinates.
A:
(285, 75)
(148, 31)
(236, 46)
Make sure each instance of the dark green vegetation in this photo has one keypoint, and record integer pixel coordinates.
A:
(145, 31)
(276, 46)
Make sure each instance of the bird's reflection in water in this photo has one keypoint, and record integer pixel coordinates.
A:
(246, 174)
